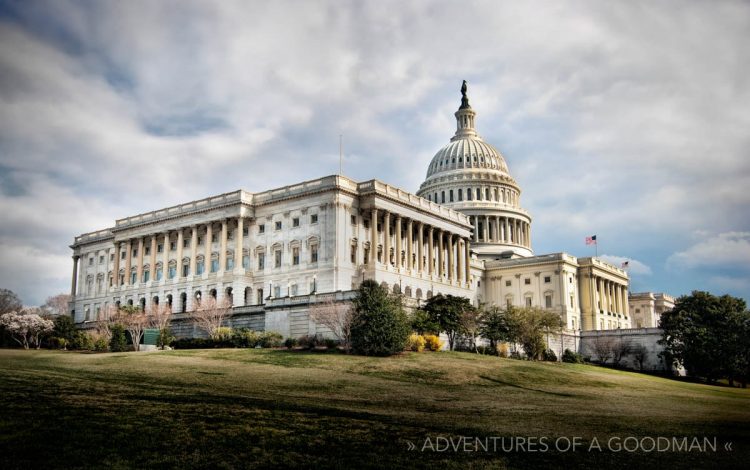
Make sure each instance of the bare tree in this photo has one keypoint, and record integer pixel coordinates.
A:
(470, 324)
(9, 301)
(337, 317)
(639, 354)
(159, 317)
(135, 321)
(210, 314)
(620, 349)
(602, 347)
(57, 304)
(104, 321)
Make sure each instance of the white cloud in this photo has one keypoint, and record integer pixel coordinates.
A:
(634, 266)
(627, 120)
(730, 249)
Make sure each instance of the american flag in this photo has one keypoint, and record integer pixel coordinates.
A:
(591, 240)
(625, 264)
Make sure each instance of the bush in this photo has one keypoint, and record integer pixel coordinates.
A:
(289, 343)
(64, 328)
(310, 341)
(415, 343)
(549, 355)
(245, 338)
(379, 324)
(100, 345)
(331, 343)
(570, 356)
(502, 350)
(82, 341)
(433, 342)
(118, 342)
(222, 333)
(270, 339)
(165, 337)
(57, 343)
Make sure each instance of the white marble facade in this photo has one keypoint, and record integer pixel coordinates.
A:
(274, 253)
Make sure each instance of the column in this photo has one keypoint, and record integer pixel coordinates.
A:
(450, 257)
(498, 237)
(507, 230)
(207, 252)
(486, 231)
(193, 249)
(165, 258)
(116, 267)
(467, 260)
(441, 255)
(529, 235)
(73, 282)
(387, 239)
(430, 251)
(409, 245)
(223, 247)
(398, 242)
(128, 261)
(152, 261)
(476, 228)
(459, 261)
(139, 268)
(374, 237)
(180, 242)
(239, 237)
(625, 305)
(420, 249)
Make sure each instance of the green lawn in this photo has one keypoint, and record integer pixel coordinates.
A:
(263, 408)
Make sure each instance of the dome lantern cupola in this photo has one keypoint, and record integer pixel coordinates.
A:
(464, 118)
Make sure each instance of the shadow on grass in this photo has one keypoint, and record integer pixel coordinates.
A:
(509, 384)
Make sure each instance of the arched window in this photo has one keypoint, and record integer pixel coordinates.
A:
(487, 194)
(212, 293)
(442, 199)
(468, 194)
(155, 300)
(142, 304)
(183, 302)
(197, 296)
(396, 289)
(407, 291)
(460, 194)
(169, 300)
(229, 295)
(419, 293)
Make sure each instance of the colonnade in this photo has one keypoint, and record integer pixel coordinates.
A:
(612, 297)
(417, 248)
(500, 229)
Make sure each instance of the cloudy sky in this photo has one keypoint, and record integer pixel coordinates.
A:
(629, 120)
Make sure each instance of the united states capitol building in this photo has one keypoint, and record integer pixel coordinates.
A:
(273, 254)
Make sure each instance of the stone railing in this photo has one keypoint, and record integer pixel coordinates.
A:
(94, 236)
(183, 209)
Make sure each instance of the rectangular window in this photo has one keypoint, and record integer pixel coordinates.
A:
(548, 301)
(146, 275)
(245, 261)
(101, 259)
(91, 261)
(314, 219)
(295, 222)
(214, 265)
(147, 250)
(200, 267)
(572, 302)
(135, 252)
(185, 270)
(261, 261)
(509, 302)
(172, 272)
(547, 279)
(230, 263)
(451, 195)
(277, 225)
(259, 295)
(172, 246)
(314, 254)
(528, 301)
(133, 277)
(245, 232)
(354, 219)
(507, 283)
(353, 254)
(159, 248)
(111, 257)
(185, 242)
(262, 228)
(293, 289)
(277, 291)
(277, 258)
(527, 281)
(200, 241)
(295, 256)
(460, 195)
(159, 273)
(213, 238)
(367, 224)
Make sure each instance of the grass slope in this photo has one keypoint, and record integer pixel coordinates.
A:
(261, 408)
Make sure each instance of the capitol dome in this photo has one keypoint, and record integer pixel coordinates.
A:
(471, 176)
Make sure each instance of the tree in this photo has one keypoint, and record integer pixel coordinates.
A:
(530, 325)
(446, 311)
(210, 315)
(25, 328)
(379, 324)
(602, 347)
(135, 321)
(159, 317)
(337, 317)
(639, 354)
(422, 323)
(620, 349)
(9, 302)
(469, 325)
(64, 328)
(707, 335)
(57, 305)
(496, 326)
